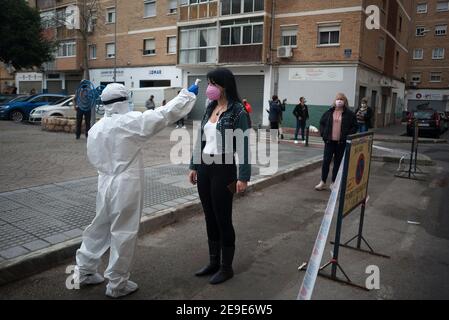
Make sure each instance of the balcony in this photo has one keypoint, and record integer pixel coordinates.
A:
(241, 54)
(198, 11)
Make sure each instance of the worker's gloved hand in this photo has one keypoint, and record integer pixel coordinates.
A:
(194, 87)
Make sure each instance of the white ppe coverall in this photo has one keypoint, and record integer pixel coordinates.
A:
(114, 148)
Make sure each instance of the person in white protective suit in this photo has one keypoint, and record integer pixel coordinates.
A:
(114, 148)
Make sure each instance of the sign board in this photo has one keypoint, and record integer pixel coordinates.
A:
(359, 163)
(316, 74)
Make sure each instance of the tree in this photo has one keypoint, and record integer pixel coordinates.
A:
(22, 43)
(83, 21)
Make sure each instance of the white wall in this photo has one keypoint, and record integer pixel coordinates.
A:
(319, 84)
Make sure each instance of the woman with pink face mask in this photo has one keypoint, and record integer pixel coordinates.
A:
(335, 125)
(214, 170)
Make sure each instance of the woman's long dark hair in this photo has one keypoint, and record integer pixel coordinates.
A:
(225, 78)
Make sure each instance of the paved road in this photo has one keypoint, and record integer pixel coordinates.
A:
(276, 229)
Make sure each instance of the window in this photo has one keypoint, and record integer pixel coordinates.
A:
(92, 51)
(67, 49)
(242, 34)
(92, 22)
(418, 54)
(110, 15)
(171, 45)
(149, 9)
(421, 8)
(442, 6)
(47, 19)
(400, 23)
(329, 35)
(241, 6)
(397, 59)
(438, 53)
(441, 30)
(110, 50)
(435, 77)
(198, 46)
(416, 77)
(420, 31)
(289, 37)
(149, 47)
(172, 6)
(381, 48)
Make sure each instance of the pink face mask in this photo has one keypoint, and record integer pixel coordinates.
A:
(339, 103)
(213, 92)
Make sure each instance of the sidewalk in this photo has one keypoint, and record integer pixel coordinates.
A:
(54, 216)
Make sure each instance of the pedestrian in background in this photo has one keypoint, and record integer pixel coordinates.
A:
(301, 112)
(80, 114)
(274, 116)
(248, 109)
(335, 125)
(149, 104)
(364, 114)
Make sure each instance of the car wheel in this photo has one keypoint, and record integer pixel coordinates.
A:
(17, 116)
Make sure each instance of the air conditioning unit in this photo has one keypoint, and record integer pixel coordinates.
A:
(285, 52)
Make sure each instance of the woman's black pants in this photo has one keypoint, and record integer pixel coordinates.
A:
(216, 199)
(332, 150)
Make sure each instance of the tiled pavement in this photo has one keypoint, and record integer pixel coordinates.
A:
(38, 217)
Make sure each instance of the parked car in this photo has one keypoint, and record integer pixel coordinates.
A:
(7, 98)
(429, 121)
(20, 110)
(64, 108)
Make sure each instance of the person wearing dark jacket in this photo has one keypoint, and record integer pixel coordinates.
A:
(364, 115)
(335, 126)
(214, 170)
(274, 116)
(301, 113)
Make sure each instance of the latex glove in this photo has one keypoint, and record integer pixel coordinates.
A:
(194, 87)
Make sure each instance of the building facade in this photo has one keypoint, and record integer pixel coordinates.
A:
(290, 48)
(428, 72)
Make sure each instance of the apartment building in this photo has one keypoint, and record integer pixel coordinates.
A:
(291, 48)
(428, 73)
(296, 48)
(131, 42)
(330, 50)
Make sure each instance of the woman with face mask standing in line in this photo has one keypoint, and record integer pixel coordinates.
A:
(335, 125)
(214, 171)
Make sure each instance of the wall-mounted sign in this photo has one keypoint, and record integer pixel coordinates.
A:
(316, 74)
(154, 72)
(29, 76)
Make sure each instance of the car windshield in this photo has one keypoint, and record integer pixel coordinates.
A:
(58, 101)
(20, 99)
(424, 115)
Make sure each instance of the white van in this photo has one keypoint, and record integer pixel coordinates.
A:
(141, 95)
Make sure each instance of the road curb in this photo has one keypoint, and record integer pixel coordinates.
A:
(41, 260)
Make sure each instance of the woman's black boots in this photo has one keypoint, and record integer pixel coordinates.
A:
(214, 256)
(225, 272)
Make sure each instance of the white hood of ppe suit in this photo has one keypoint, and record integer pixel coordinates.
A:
(115, 91)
